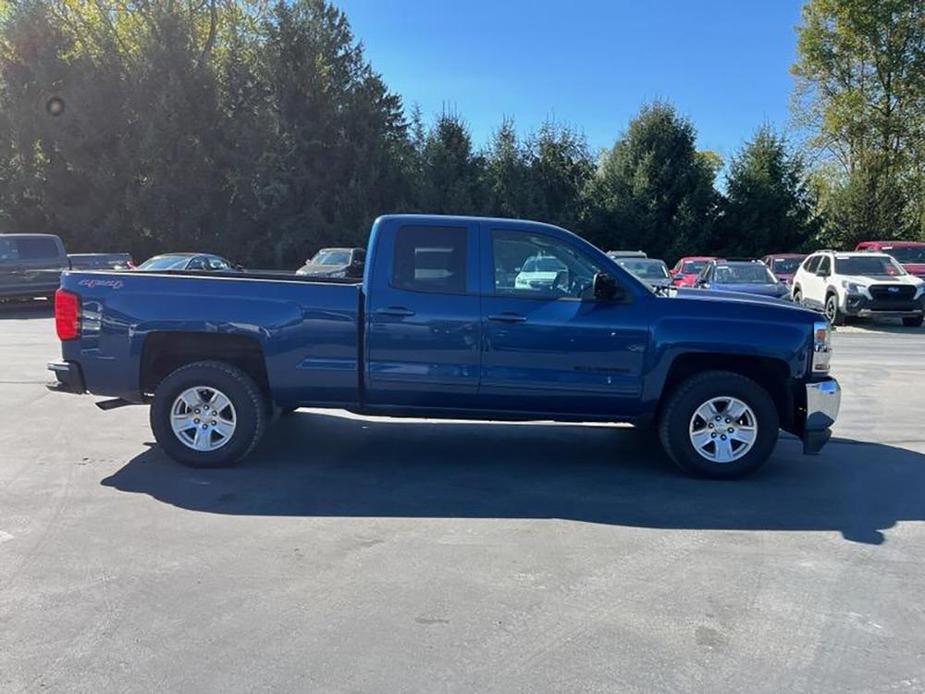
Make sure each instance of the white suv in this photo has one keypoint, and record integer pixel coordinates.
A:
(859, 284)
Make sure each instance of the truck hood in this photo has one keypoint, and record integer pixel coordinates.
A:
(776, 290)
(867, 280)
(321, 270)
(738, 298)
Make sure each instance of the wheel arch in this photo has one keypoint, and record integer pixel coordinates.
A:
(770, 373)
(165, 351)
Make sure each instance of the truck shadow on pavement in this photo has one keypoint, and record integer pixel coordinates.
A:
(319, 464)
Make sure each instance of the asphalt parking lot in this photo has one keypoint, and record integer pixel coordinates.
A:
(368, 555)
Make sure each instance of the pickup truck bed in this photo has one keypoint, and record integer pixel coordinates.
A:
(447, 323)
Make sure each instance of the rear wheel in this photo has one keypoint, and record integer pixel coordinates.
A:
(914, 321)
(208, 414)
(719, 424)
(797, 296)
(832, 310)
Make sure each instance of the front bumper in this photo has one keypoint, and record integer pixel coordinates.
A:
(862, 307)
(68, 377)
(823, 400)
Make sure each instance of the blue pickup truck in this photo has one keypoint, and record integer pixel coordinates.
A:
(452, 319)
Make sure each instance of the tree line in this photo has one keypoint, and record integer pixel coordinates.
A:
(262, 132)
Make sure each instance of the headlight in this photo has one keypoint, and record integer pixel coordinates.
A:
(822, 346)
(854, 287)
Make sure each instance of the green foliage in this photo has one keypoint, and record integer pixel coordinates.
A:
(861, 93)
(768, 205)
(260, 131)
(653, 189)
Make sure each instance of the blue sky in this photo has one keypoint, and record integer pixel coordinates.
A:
(589, 63)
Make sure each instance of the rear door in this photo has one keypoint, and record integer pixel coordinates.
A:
(551, 348)
(423, 320)
(819, 280)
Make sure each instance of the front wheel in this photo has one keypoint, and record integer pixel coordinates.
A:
(832, 311)
(797, 296)
(719, 424)
(914, 321)
(208, 414)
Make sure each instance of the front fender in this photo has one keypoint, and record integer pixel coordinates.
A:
(784, 341)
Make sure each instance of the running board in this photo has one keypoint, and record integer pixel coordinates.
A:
(113, 404)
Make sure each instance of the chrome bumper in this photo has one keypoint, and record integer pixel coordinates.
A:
(823, 400)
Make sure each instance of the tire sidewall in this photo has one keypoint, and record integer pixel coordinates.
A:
(689, 399)
(836, 318)
(230, 381)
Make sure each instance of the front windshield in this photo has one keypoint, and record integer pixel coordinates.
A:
(549, 264)
(786, 266)
(645, 269)
(693, 267)
(908, 254)
(164, 262)
(328, 256)
(752, 273)
(868, 265)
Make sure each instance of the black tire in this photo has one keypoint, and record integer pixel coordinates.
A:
(675, 422)
(914, 321)
(798, 296)
(832, 310)
(250, 409)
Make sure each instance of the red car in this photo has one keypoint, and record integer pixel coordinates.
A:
(784, 265)
(686, 270)
(909, 254)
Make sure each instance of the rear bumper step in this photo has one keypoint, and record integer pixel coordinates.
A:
(68, 377)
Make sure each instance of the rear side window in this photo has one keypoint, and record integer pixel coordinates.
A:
(825, 264)
(812, 263)
(8, 250)
(430, 259)
(38, 248)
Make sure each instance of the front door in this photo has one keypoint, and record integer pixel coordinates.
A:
(423, 318)
(550, 347)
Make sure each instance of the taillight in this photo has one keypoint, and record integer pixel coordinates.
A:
(67, 314)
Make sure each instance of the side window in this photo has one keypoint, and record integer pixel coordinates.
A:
(218, 264)
(540, 267)
(8, 250)
(812, 263)
(38, 248)
(430, 259)
(825, 265)
(197, 264)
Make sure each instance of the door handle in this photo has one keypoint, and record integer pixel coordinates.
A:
(399, 311)
(507, 318)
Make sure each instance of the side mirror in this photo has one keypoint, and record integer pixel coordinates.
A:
(606, 288)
